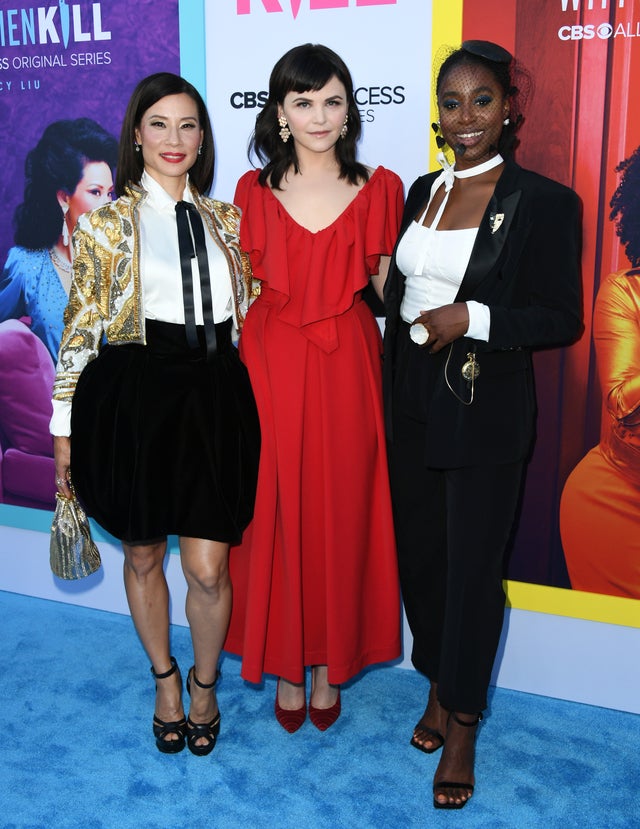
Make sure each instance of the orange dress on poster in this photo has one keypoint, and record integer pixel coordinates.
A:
(600, 505)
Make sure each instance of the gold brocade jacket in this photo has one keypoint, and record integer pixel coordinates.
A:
(106, 292)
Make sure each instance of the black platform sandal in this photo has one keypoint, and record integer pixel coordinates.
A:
(422, 730)
(162, 729)
(196, 731)
(447, 785)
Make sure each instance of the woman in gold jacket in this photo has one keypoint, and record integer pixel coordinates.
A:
(153, 409)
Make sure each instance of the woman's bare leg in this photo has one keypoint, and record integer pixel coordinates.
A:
(206, 568)
(457, 761)
(430, 730)
(323, 695)
(148, 597)
(291, 696)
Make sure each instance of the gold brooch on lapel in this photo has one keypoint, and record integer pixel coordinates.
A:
(495, 220)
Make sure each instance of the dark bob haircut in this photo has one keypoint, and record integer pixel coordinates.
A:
(302, 69)
(625, 205)
(57, 163)
(506, 72)
(148, 92)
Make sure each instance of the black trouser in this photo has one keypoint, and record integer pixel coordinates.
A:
(452, 528)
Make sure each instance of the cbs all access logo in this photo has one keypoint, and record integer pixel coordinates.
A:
(598, 30)
(367, 98)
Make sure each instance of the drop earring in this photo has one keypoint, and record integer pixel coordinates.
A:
(345, 127)
(285, 132)
(506, 121)
(200, 150)
(440, 142)
(137, 146)
(65, 229)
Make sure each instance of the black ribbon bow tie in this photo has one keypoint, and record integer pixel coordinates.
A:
(191, 243)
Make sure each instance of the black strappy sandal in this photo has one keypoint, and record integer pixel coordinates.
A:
(162, 729)
(425, 731)
(196, 731)
(445, 785)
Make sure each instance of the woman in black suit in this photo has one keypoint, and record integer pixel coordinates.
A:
(486, 269)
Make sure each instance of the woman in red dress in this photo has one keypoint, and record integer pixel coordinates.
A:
(315, 579)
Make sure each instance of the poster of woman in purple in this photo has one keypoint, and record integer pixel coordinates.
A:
(66, 72)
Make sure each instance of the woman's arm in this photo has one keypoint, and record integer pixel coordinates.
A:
(538, 290)
(62, 455)
(83, 317)
(379, 279)
(616, 334)
(445, 324)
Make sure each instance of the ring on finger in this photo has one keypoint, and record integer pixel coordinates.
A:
(419, 333)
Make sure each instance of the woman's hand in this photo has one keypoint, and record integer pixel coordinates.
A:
(62, 456)
(444, 324)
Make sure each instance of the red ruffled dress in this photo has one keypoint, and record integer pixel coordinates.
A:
(315, 578)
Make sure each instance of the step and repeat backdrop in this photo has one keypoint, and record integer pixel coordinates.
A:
(77, 62)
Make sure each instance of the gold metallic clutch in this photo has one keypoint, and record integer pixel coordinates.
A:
(72, 552)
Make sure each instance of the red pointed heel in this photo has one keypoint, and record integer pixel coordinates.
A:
(290, 720)
(324, 718)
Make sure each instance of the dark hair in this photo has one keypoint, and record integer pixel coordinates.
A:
(502, 66)
(625, 204)
(148, 92)
(301, 69)
(57, 163)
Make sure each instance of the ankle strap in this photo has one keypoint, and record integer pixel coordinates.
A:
(172, 670)
(464, 722)
(202, 684)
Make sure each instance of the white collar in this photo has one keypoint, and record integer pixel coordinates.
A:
(450, 174)
(158, 196)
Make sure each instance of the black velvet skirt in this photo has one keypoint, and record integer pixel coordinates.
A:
(165, 441)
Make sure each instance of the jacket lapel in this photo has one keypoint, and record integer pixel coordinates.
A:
(493, 232)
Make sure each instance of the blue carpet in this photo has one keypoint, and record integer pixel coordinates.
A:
(77, 702)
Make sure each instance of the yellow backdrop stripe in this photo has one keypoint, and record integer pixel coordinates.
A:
(614, 610)
(446, 29)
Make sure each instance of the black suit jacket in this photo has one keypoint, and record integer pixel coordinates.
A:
(528, 273)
